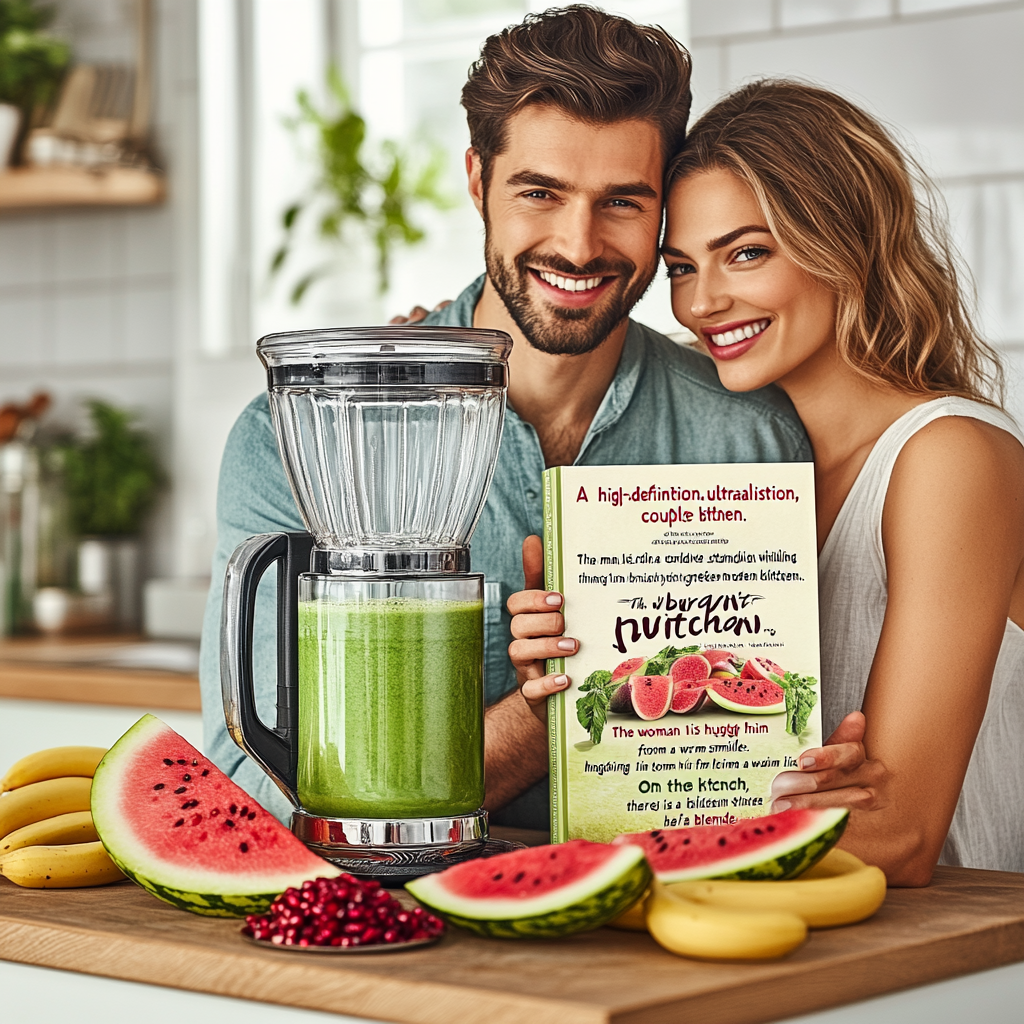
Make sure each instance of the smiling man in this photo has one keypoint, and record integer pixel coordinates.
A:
(573, 115)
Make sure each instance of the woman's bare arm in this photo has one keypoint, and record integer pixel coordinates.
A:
(953, 534)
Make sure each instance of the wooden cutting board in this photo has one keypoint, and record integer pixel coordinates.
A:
(965, 921)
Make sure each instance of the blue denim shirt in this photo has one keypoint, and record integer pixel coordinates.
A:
(665, 405)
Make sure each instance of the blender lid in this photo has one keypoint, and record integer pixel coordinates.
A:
(389, 355)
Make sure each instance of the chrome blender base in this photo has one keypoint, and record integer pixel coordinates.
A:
(394, 850)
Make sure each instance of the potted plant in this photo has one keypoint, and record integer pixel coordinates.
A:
(32, 65)
(375, 187)
(112, 479)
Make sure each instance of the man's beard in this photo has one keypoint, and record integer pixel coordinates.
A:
(560, 330)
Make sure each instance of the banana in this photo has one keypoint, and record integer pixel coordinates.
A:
(60, 867)
(707, 932)
(41, 800)
(76, 827)
(633, 919)
(53, 763)
(835, 862)
(820, 902)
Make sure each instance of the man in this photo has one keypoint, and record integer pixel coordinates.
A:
(573, 115)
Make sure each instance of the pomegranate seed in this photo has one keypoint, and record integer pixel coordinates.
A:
(341, 911)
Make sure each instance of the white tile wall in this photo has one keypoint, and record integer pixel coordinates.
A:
(88, 298)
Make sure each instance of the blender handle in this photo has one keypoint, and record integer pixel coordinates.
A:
(275, 750)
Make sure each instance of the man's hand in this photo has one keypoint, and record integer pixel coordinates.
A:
(838, 774)
(537, 625)
(418, 313)
(515, 751)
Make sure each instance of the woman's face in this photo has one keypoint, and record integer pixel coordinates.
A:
(763, 318)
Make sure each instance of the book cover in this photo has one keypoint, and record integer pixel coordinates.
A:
(693, 593)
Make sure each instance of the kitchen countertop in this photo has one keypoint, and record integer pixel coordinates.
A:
(965, 921)
(115, 670)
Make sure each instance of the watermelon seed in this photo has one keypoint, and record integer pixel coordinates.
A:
(196, 818)
(686, 842)
(520, 875)
(536, 881)
(252, 815)
(244, 811)
(229, 823)
(758, 832)
(159, 785)
(552, 855)
(234, 808)
(215, 811)
(167, 760)
(180, 789)
(771, 828)
(721, 840)
(498, 877)
(181, 760)
(186, 778)
(194, 762)
(206, 771)
(180, 821)
(244, 847)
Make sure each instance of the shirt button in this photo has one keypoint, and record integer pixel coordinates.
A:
(531, 495)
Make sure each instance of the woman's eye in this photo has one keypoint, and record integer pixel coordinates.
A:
(751, 252)
(680, 269)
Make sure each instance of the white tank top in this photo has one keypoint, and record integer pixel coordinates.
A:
(987, 830)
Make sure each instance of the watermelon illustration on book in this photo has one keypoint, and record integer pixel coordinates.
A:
(682, 682)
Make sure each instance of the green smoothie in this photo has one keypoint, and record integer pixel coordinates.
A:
(390, 708)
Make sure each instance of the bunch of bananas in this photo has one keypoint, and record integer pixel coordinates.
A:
(730, 920)
(48, 839)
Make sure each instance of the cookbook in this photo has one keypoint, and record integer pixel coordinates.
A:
(693, 593)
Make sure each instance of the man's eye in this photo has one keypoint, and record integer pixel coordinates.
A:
(538, 193)
(624, 204)
(751, 252)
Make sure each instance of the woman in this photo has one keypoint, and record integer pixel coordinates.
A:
(798, 253)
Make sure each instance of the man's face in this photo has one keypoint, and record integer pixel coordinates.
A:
(572, 213)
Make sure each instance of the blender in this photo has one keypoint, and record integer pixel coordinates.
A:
(389, 437)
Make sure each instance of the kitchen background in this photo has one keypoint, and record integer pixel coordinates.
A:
(155, 308)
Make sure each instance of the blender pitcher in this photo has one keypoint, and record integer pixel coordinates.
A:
(389, 438)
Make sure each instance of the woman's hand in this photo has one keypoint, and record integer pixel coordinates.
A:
(537, 625)
(838, 774)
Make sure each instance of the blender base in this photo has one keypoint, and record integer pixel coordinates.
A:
(393, 851)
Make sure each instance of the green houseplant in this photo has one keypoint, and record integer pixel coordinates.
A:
(375, 189)
(111, 480)
(32, 64)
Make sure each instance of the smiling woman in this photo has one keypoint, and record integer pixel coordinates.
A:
(797, 249)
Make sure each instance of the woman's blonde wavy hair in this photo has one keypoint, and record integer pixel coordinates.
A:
(839, 196)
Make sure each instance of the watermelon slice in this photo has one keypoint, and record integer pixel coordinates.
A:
(626, 668)
(760, 668)
(777, 846)
(175, 823)
(689, 675)
(541, 892)
(651, 696)
(748, 696)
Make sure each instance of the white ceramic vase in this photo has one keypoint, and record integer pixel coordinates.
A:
(10, 118)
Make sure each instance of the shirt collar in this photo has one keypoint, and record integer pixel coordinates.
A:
(620, 391)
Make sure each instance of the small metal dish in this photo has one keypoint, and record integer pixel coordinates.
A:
(381, 947)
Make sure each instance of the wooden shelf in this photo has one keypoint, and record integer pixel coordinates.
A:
(35, 188)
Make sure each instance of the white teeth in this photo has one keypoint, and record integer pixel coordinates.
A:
(738, 334)
(570, 284)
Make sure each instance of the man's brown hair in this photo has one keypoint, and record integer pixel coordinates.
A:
(597, 67)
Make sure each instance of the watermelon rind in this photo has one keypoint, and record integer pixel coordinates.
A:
(227, 893)
(781, 860)
(592, 901)
(746, 709)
